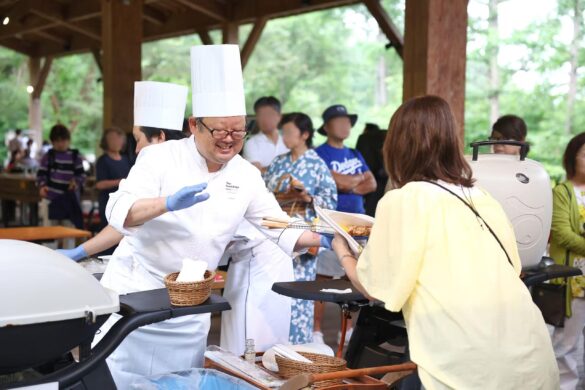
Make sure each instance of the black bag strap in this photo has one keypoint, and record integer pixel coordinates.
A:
(477, 215)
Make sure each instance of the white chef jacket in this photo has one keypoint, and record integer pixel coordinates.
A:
(259, 148)
(237, 192)
(149, 252)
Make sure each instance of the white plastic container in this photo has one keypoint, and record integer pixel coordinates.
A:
(523, 188)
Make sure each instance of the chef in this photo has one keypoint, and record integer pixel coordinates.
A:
(186, 199)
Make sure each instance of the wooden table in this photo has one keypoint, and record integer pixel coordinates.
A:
(20, 188)
(43, 233)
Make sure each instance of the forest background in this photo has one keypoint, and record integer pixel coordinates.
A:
(524, 57)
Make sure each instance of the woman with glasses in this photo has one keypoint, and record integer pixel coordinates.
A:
(508, 128)
(443, 252)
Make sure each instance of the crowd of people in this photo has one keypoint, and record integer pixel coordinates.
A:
(22, 154)
(464, 332)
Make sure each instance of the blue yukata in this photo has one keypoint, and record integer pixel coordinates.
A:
(312, 171)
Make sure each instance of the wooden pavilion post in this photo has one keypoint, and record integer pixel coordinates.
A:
(37, 77)
(435, 42)
(121, 47)
(230, 33)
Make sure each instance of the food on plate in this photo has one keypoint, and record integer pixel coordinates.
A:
(357, 230)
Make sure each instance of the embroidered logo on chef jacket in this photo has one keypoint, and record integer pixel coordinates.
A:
(231, 189)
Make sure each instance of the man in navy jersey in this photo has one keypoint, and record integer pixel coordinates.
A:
(353, 179)
(350, 171)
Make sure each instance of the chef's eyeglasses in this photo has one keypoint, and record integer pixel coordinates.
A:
(221, 134)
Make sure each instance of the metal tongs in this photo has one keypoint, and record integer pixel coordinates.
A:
(281, 223)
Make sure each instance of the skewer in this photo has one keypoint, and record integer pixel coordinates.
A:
(274, 223)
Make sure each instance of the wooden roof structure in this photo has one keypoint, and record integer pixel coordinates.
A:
(41, 28)
(433, 45)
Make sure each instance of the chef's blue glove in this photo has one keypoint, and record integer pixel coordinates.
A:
(325, 241)
(186, 197)
(75, 253)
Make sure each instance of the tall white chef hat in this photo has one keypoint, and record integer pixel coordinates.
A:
(216, 78)
(159, 104)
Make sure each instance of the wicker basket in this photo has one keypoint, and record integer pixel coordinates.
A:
(189, 293)
(288, 368)
(288, 199)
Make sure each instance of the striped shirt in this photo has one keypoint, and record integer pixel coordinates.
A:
(56, 171)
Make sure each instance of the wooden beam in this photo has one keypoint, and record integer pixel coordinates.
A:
(97, 56)
(435, 40)
(51, 37)
(17, 12)
(76, 44)
(75, 12)
(207, 7)
(19, 45)
(122, 30)
(248, 11)
(57, 14)
(176, 25)
(386, 25)
(230, 33)
(42, 78)
(153, 16)
(205, 37)
(252, 40)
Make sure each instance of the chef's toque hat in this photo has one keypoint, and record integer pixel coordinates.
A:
(216, 78)
(159, 104)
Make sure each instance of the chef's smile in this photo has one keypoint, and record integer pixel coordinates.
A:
(225, 147)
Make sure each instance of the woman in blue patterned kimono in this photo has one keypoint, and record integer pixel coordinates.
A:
(307, 178)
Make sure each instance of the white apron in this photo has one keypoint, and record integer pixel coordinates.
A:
(173, 345)
(150, 251)
(257, 313)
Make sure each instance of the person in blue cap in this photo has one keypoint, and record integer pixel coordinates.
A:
(353, 179)
(350, 171)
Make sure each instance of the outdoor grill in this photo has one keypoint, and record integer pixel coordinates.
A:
(50, 305)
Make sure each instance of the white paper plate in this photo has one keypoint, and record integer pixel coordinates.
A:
(337, 218)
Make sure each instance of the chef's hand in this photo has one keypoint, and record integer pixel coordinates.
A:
(186, 197)
(325, 241)
(340, 246)
(75, 253)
